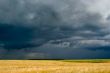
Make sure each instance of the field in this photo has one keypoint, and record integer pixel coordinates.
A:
(54, 66)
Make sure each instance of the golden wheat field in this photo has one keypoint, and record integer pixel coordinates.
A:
(51, 66)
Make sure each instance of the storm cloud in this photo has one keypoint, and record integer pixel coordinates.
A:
(54, 29)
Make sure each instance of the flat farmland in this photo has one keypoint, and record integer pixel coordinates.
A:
(54, 66)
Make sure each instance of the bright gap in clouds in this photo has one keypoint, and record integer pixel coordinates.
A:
(99, 6)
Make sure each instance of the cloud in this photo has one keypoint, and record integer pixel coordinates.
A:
(56, 24)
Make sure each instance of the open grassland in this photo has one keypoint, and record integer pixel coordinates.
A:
(52, 66)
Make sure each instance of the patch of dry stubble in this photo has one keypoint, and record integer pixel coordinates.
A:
(28, 66)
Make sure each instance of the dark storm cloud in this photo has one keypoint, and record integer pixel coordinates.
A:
(30, 24)
(18, 32)
(57, 25)
(14, 36)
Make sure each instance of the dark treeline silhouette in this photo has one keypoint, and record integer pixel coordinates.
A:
(46, 59)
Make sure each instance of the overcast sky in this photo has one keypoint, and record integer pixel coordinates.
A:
(47, 29)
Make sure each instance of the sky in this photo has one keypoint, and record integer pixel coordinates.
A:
(54, 29)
